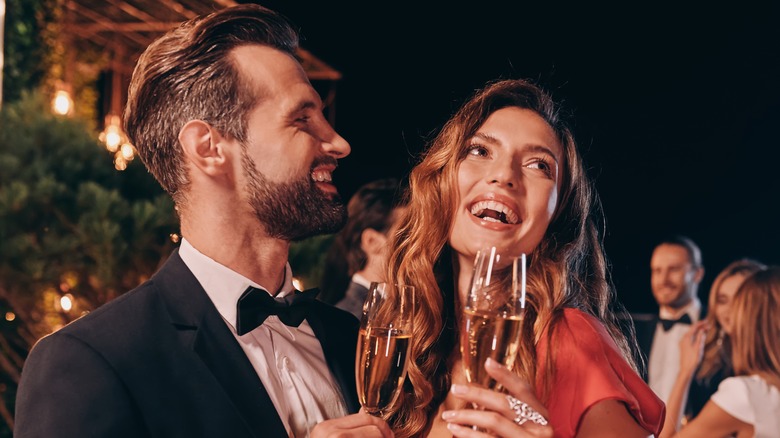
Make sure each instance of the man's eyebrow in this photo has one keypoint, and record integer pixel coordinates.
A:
(304, 105)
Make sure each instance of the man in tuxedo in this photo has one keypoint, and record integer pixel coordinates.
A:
(217, 343)
(359, 251)
(676, 271)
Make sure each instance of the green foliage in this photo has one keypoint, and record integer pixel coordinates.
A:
(307, 259)
(27, 55)
(70, 222)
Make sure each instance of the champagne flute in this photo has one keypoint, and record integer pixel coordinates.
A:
(383, 345)
(492, 315)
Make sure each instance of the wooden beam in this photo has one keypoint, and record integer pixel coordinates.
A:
(131, 10)
(104, 22)
(90, 28)
(226, 3)
(179, 8)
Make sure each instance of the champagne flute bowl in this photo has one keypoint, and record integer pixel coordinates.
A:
(383, 345)
(492, 316)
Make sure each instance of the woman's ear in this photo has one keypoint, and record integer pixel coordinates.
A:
(372, 241)
(203, 146)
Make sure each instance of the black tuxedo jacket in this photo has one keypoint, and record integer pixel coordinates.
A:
(159, 361)
(699, 392)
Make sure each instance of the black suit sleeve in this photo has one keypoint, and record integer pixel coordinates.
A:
(67, 389)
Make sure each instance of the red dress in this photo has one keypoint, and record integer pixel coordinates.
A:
(589, 368)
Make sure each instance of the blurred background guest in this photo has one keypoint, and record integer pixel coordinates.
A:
(716, 361)
(676, 269)
(358, 255)
(747, 404)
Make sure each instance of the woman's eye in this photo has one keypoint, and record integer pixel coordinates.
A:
(542, 165)
(477, 150)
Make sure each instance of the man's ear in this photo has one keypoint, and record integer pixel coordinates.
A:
(699, 275)
(203, 147)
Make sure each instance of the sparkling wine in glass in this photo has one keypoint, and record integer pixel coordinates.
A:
(383, 345)
(492, 314)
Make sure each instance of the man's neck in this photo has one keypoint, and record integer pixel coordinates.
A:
(259, 258)
(692, 308)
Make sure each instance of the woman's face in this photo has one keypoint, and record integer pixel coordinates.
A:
(507, 184)
(723, 299)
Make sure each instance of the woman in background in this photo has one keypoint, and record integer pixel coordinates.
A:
(504, 171)
(716, 361)
(748, 404)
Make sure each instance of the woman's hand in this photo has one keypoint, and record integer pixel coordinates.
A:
(518, 415)
(360, 425)
(692, 348)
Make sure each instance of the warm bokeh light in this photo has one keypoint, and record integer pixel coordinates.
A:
(62, 103)
(175, 238)
(112, 139)
(10, 316)
(66, 302)
(128, 151)
(119, 162)
(117, 142)
(298, 284)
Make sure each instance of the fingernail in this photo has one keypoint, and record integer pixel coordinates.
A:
(458, 389)
(446, 415)
(453, 427)
(491, 363)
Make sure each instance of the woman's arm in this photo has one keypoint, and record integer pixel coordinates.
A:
(714, 421)
(610, 418)
(691, 351)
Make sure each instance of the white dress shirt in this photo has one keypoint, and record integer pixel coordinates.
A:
(289, 360)
(664, 361)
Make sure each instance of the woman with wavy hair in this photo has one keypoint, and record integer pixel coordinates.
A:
(716, 360)
(504, 171)
(747, 404)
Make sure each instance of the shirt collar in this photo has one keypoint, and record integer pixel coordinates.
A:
(693, 310)
(361, 280)
(223, 285)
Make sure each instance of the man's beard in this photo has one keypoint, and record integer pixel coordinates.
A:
(293, 210)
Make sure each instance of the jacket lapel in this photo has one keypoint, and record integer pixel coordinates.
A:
(201, 328)
(645, 332)
(337, 332)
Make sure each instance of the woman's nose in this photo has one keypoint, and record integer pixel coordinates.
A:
(504, 173)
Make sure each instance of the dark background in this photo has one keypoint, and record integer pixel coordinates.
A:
(675, 107)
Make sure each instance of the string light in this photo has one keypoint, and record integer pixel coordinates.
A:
(62, 103)
(116, 142)
(66, 302)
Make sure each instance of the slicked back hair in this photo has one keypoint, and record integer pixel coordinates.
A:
(189, 74)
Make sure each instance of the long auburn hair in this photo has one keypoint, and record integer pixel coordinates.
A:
(568, 269)
(717, 344)
(755, 349)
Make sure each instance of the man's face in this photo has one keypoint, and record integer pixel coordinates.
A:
(291, 149)
(673, 277)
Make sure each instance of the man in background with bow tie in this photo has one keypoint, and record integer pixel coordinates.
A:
(217, 343)
(676, 270)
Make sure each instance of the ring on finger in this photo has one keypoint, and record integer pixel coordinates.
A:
(524, 413)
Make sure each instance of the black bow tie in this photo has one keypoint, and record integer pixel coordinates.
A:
(255, 305)
(668, 323)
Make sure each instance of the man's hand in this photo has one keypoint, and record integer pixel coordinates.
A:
(356, 425)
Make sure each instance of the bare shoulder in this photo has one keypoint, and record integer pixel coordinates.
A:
(610, 418)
